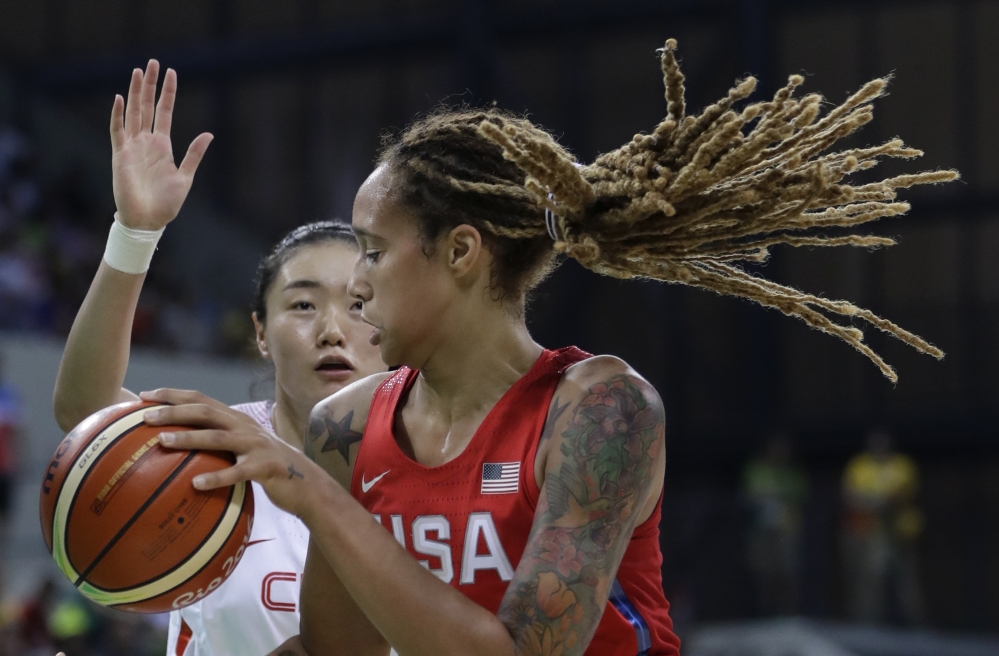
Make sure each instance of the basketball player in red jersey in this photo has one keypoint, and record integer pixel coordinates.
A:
(515, 490)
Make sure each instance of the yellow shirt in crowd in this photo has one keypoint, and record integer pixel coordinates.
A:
(879, 494)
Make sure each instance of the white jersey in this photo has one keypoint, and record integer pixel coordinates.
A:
(256, 609)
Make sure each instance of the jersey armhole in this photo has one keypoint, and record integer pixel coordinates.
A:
(562, 359)
(383, 402)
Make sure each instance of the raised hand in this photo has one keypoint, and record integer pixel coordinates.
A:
(149, 188)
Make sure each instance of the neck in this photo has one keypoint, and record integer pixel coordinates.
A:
(480, 362)
(289, 421)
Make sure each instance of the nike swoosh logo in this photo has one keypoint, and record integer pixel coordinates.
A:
(367, 485)
(250, 544)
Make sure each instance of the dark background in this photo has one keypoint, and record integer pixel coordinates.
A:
(298, 92)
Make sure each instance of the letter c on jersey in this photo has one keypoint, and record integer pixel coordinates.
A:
(267, 592)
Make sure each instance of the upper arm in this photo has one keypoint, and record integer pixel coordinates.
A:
(336, 426)
(604, 467)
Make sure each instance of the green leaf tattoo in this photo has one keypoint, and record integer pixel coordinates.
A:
(585, 517)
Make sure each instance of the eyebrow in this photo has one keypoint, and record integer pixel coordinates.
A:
(364, 233)
(301, 284)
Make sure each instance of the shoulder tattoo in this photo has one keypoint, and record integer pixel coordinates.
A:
(335, 435)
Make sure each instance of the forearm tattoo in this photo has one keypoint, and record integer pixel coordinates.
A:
(294, 473)
(585, 517)
(338, 436)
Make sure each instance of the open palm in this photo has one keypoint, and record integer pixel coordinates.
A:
(149, 188)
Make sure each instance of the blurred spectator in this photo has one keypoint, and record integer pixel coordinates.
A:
(51, 241)
(72, 627)
(52, 621)
(881, 524)
(10, 429)
(33, 629)
(776, 489)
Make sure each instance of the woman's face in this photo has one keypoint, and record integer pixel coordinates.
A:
(409, 299)
(313, 331)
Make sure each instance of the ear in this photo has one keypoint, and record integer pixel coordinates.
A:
(258, 328)
(464, 250)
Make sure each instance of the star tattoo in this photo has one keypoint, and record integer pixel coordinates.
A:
(339, 436)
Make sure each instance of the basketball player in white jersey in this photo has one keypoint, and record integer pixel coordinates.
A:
(306, 325)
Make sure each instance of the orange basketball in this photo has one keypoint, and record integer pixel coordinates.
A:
(124, 523)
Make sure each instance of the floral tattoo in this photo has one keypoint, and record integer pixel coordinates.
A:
(585, 517)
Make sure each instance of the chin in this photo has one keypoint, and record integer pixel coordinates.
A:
(391, 355)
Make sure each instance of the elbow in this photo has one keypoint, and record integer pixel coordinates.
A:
(67, 414)
(490, 637)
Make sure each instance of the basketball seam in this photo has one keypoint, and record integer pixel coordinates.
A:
(134, 518)
(69, 467)
(63, 536)
(194, 552)
(86, 475)
(232, 516)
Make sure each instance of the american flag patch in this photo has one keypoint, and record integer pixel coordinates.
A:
(500, 477)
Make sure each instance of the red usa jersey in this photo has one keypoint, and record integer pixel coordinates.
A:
(468, 520)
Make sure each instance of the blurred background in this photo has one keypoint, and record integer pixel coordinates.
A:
(810, 507)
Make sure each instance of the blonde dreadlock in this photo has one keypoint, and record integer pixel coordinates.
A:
(685, 204)
(699, 194)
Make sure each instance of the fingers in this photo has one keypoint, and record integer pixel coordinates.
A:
(223, 478)
(207, 440)
(133, 114)
(195, 153)
(192, 414)
(117, 126)
(147, 97)
(178, 397)
(164, 108)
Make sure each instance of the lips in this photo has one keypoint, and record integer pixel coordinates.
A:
(376, 333)
(335, 367)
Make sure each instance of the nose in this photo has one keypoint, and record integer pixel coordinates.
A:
(357, 285)
(329, 332)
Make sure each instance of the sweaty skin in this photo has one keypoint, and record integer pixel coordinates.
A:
(600, 466)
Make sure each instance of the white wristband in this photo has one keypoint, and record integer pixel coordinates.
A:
(130, 250)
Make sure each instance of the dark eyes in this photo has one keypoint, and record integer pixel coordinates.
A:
(357, 306)
(303, 305)
(372, 256)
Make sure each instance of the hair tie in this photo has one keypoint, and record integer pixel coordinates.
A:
(550, 219)
(550, 215)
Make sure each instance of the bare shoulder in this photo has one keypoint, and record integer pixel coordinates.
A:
(337, 424)
(580, 379)
(597, 388)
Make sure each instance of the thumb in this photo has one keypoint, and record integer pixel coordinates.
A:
(195, 152)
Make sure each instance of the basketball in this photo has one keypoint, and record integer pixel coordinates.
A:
(124, 523)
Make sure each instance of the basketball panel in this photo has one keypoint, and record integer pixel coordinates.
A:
(220, 568)
(197, 577)
(172, 528)
(69, 451)
(115, 488)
